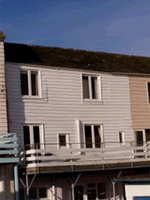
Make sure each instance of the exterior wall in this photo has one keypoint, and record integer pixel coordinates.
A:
(3, 110)
(62, 105)
(140, 107)
(137, 190)
(59, 186)
(6, 182)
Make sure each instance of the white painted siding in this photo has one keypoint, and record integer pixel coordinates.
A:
(3, 114)
(61, 104)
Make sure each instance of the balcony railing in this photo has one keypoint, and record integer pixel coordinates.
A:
(44, 155)
(9, 148)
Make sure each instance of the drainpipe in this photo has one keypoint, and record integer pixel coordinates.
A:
(16, 182)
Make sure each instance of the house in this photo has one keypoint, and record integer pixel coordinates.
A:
(82, 120)
(9, 186)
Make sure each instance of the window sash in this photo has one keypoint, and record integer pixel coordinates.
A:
(66, 137)
(32, 140)
(92, 141)
(91, 88)
(29, 82)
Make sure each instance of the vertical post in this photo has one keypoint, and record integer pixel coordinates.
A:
(27, 186)
(72, 189)
(16, 182)
(114, 190)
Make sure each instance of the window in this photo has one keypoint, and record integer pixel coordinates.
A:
(121, 137)
(142, 137)
(22, 194)
(30, 82)
(101, 190)
(38, 193)
(78, 192)
(93, 136)
(63, 140)
(91, 87)
(33, 193)
(90, 191)
(33, 136)
(148, 88)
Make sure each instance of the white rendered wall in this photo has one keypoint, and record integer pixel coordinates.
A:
(137, 190)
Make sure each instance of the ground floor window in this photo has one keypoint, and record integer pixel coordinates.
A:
(40, 193)
(90, 191)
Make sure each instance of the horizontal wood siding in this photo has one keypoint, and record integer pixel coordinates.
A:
(140, 107)
(3, 110)
(62, 105)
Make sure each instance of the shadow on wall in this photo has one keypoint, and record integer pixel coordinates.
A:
(7, 181)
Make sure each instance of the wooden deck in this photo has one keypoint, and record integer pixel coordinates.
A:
(57, 160)
(9, 148)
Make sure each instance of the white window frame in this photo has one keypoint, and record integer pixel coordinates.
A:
(29, 82)
(31, 134)
(90, 87)
(123, 137)
(143, 133)
(66, 138)
(93, 136)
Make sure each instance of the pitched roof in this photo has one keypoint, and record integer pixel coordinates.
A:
(79, 59)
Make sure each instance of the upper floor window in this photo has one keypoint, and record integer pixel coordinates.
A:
(93, 136)
(148, 88)
(30, 82)
(91, 87)
(121, 137)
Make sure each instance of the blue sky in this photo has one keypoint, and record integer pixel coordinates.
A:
(115, 26)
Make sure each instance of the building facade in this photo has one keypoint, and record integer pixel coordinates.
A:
(82, 120)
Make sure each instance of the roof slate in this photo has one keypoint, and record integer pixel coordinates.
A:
(76, 59)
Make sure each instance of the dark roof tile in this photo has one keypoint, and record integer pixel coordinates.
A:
(79, 59)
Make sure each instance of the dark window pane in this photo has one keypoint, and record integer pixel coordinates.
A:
(32, 193)
(42, 192)
(88, 137)
(36, 133)
(148, 84)
(78, 192)
(85, 87)
(147, 132)
(101, 191)
(26, 134)
(24, 83)
(97, 133)
(94, 88)
(62, 140)
(91, 193)
(21, 194)
(34, 83)
(139, 138)
(91, 185)
(120, 137)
